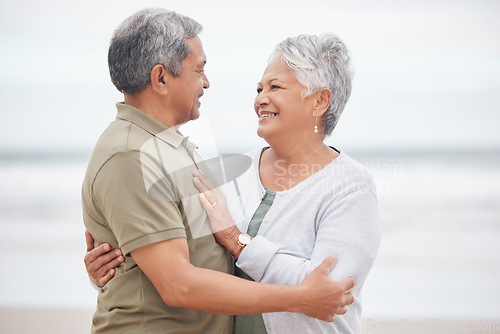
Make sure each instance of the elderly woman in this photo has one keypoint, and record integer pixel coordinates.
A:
(305, 199)
(301, 200)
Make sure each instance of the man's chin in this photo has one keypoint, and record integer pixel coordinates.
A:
(195, 115)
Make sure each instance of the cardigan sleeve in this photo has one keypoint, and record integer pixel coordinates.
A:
(348, 227)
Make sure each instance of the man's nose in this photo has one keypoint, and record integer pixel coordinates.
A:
(206, 83)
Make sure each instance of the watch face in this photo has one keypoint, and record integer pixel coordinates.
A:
(244, 238)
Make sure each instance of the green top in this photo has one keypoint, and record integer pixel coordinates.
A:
(138, 191)
(253, 323)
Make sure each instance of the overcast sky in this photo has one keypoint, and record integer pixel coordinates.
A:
(427, 73)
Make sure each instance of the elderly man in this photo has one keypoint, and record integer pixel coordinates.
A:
(137, 196)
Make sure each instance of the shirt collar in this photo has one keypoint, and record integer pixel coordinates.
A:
(173, 138)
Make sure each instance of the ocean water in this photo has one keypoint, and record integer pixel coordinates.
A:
(440, 221)
(440, 251)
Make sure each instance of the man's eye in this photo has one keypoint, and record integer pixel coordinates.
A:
(259, 90)
(275, 87)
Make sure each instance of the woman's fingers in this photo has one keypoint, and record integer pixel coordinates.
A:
(204, 178)
(199, 184)
(89, 239)
(103, 268)
(105, 279)
(205, 202)
(100, 263)
(215, 206)
(204, 185)
(95, 253)
(209, 195)
(111, 260)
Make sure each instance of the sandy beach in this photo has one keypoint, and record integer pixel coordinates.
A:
(45, 320)
(77, 321)
(429, 326)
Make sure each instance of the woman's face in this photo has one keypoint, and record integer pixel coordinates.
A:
(279, 104)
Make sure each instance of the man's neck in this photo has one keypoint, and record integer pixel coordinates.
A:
(148, 104)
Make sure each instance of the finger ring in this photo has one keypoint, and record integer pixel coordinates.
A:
(214, 204)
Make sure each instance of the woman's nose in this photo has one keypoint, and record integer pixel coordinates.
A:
(262, 99)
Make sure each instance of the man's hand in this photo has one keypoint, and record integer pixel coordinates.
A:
(326, 297)
(100, 262)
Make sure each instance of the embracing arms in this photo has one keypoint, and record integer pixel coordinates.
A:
(167, 265)
(181, 284)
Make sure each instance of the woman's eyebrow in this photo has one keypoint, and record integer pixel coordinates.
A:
(270, 80)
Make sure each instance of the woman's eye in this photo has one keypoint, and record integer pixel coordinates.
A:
(259, 90)
(275, 87)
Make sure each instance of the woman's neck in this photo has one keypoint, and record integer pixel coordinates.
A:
(300, 151)
(284, 166)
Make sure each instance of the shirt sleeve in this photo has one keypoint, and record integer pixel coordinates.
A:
(95, 286)
(348, 227)
(138, 201)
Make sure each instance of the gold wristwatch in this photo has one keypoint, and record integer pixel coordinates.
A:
(244, 239)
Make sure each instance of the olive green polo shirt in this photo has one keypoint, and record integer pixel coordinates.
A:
(138, 190)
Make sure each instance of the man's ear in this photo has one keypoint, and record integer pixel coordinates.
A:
(159, 78)
(322, 102)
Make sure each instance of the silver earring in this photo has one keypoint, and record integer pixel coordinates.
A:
(316, 126)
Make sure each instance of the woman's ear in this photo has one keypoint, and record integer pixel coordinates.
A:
(159, 78)
(323, 101)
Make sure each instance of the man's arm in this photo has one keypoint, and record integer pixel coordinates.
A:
(181, 284)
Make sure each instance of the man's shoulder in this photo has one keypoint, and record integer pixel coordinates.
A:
(120, 140)
(122, 135)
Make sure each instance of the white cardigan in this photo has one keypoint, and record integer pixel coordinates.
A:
(332, 211)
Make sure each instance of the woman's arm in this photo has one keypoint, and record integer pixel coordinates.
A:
(349, 227)
(223, 227)
(100, 262)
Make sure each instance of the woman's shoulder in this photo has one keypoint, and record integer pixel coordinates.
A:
(349, 172)
(352, 165)
(256, 152)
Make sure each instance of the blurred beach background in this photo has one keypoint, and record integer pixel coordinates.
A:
(423, 117)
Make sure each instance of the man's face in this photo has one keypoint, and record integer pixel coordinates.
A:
(184, 92)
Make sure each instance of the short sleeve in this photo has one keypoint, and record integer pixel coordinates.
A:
(138, 201)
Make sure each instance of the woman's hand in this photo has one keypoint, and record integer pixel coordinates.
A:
(100, 262)
(225, 231)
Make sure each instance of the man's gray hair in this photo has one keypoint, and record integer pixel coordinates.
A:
(320, 62)
(147, 38)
